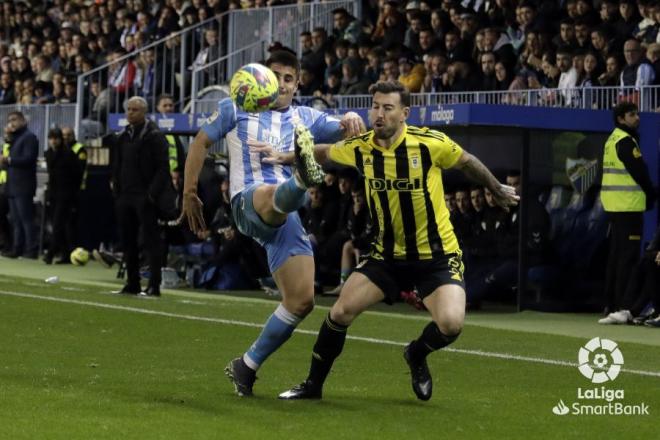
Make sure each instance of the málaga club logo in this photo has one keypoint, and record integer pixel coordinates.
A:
(602, 355)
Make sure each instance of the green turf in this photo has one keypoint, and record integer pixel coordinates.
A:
(76, 370)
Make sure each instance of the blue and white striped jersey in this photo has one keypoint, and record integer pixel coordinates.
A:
(274, 127)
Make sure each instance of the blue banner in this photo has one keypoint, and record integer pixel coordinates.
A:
(433, 116)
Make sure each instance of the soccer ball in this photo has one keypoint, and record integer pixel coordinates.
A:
(254, 88)
(79, 257)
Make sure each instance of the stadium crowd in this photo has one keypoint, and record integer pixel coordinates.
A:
(448, 46)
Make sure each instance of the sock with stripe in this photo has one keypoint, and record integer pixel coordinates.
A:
(432, 339)
(289, 196)
(344, 275)
(277, 331)
(328, 346)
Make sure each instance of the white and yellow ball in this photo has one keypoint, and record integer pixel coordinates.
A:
(79, 257)
(254, 88)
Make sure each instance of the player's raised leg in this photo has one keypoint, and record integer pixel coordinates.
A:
(447, 307)
(358, 294)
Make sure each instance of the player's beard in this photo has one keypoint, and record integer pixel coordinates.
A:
(384, 132)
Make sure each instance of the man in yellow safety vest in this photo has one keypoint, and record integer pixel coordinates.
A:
(627, 191)
(175, 153)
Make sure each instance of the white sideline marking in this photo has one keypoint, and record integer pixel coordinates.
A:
(496, 355)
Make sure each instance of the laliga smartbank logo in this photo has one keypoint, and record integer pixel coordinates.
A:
(600, 361)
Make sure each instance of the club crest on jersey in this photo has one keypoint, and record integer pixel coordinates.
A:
(414, 161)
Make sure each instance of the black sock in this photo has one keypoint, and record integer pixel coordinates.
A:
(328, 346)
(432, 339)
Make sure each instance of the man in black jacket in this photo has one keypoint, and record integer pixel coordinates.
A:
(140, 176)
(21, 167)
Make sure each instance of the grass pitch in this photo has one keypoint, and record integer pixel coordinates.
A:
(78, 362)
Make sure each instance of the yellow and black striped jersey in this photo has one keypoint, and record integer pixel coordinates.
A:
(404, 191)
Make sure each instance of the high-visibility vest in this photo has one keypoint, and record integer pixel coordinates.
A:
(3, 172)
(620, 192)
(171, 152)
(79, 150)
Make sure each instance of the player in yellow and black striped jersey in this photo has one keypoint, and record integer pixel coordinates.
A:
(415, 247)
(405, 192)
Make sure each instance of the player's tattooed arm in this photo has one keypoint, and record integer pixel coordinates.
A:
(504, 195)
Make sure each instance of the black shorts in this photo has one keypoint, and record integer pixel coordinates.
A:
(395, 276)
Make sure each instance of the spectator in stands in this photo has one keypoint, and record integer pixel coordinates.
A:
(21, 165)
(459, 77)
(568, 76)
(638, 71)
(591, 70)
(653, 55)
(411, 73)
(352, 83)
(612, 74)
(7, 95)
(373, 69)
(629, 19)
(624, 168)
(411, 39)
(315, 57)
(308, 83)
(585, 12)
(428, 43)
(488, 80)
(498, 43)
(583, 35)
(455, 48)
(394, 32)
(390, 70)
(600, 41)
(503, 77)
(433, 79)
(346, 27)
(645, 30)
(122, 74)
(566, 36)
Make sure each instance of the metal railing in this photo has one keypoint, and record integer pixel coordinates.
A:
(251, 31)
(591, 98)
(166, 66)
(41, 118)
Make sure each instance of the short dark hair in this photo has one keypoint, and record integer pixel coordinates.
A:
(55, 133)
(513, 173)
(16, 113)
(163, 97)
(285, 58)
(392, 87)
(622, 108)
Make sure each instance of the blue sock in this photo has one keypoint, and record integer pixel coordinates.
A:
(289, 196)
(276, 332)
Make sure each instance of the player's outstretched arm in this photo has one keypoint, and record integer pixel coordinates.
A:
(192, 205)
(504, 195)
(271, 155)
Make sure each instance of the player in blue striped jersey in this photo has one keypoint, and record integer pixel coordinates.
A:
(265, 198)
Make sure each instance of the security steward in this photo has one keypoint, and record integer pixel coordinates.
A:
(176, 155)
(79, 150)
(139, 177)
(627, 191)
